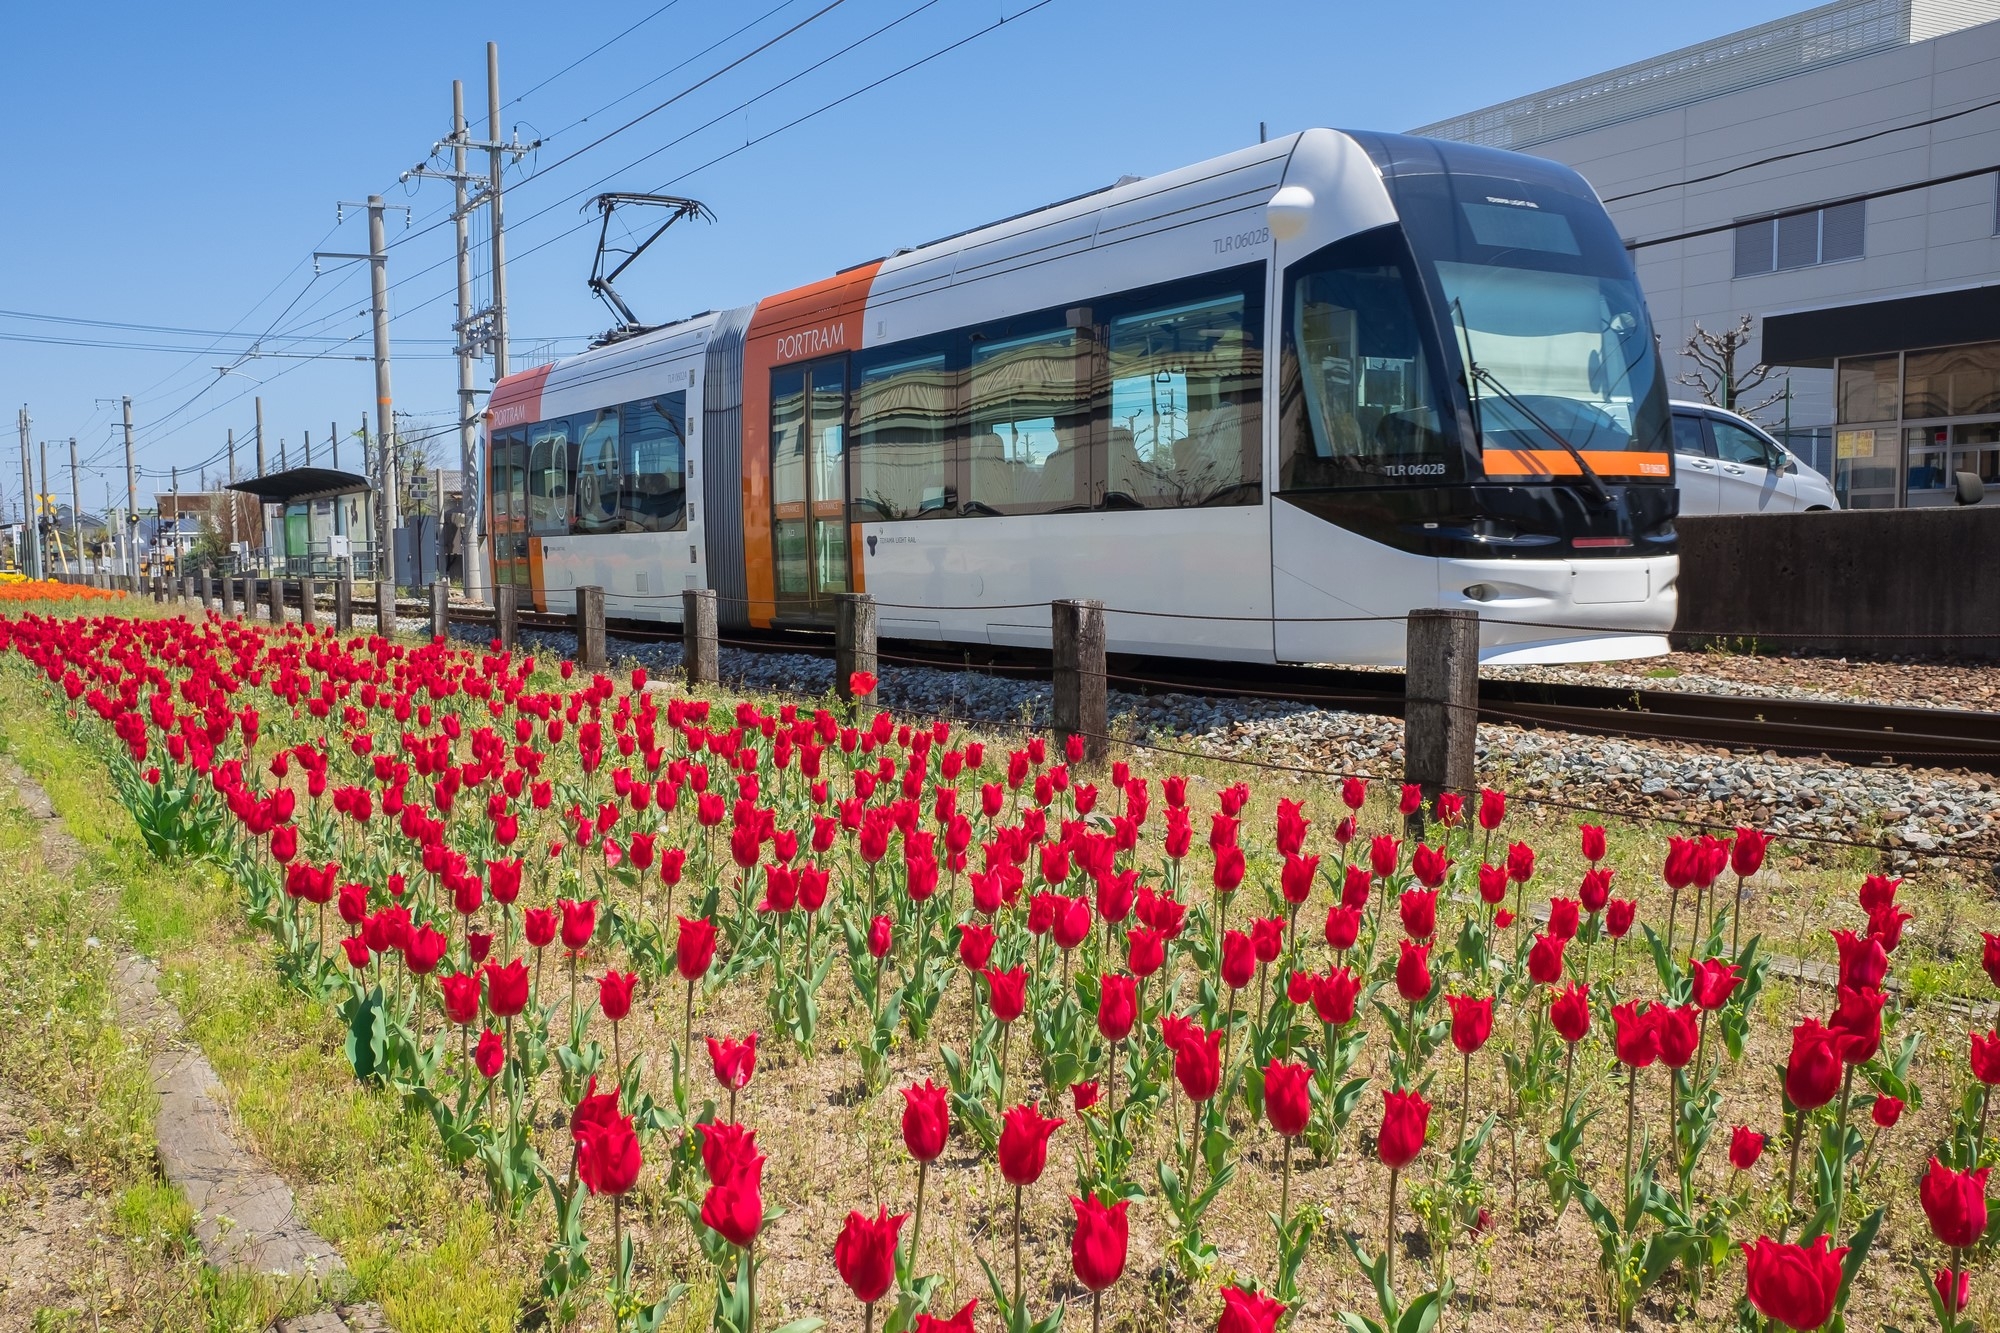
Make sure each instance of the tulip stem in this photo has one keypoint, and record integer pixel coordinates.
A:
(1017, 1252)
(1736, 922)
(1569, 1063)
(1111, 1099)
(1285, 1194)
(750, 1262)
(1951, 1295)
(1979, 1133)
(1792, 1176)
(1096, 1311)
(1389, 1239)
(687, 1028)
(1006, 1032)
(1673, 909)
(916, 1232)
(1631, 1121)
(1839, 1146)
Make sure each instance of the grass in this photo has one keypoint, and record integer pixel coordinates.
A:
(414, 1233)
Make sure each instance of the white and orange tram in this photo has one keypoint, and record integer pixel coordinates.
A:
(1260, 407)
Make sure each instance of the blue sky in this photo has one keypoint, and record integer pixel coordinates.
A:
(175, 165)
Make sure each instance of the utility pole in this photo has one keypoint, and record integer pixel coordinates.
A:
(43, 496)
(131, 497)
(75, 505)
(385, 417)
(263, 514)
(472, 564)
(307, 438)
(229, 496)
(495, 152)
(21, 549)
(479, 331)
(333, 434)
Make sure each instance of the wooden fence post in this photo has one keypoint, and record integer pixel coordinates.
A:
(1440, 704)
(853, 640)
(385, 608)
(590, 628)
(507, 615)
(701, 654)
(343, 604)
(1081, 706)
(440, 609)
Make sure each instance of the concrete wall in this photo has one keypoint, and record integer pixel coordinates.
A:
(1868, 583)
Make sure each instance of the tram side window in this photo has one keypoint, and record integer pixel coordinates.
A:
(1360, 393)
(653, 454)
(548, 477)
(597, 472)
(903, 418)
(1185, 387)
(1029, 448)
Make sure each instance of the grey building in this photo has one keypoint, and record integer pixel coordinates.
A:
(1835, 176)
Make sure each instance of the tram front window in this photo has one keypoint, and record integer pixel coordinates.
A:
(1555, 354)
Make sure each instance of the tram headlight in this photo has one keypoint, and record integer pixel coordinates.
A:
(1481, 592)
(1288, 212)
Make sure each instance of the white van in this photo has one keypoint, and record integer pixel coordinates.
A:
(1725, 465)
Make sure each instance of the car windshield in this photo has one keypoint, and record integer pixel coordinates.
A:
(1566, 354)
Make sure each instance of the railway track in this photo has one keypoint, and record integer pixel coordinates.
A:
(1855, 733)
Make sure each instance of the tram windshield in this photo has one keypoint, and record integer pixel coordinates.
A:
(1543, 326)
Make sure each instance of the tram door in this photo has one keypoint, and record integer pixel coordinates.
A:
(809, 488)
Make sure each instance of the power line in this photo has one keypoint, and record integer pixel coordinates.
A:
(1801, 152)
(595, 50)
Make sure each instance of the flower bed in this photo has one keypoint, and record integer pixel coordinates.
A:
(604, 937)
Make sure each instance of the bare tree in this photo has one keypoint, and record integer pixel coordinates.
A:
(1721, 384)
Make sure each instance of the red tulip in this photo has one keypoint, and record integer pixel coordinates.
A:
(608, 1158)
(1406, 1118)
(1746, 1145)
(1545, 959)
(1886, 924)
(1239, 960)
(1353, 792)
(1886, 1111)
(1812, 1074)
(1793, 1284)
(1197, 1059)
(1471, 1022)
(1288, 1097)
(1492, 809)
(926, 1120)
(1677, 1033)
(1618, 914)
(1117, 1006)
(1592, 836)
(1955, 1203)
(727, 1150)
(1569, 1013)
(507, 989)
(1878, 892)
(1857, 1024)
(734, 1208)
(1084, 1095)
(1713, 981)
(1563, 918)
(1007, 993)
(1413, 972)
(734, 1062)
(1863, 959)
(1146, 951)
(1343, 927)
(1429, 866)
(539, 924)
(1954, 1300)
(1418, 908)
(460, 991)
(694, 948)
(1634, 1035)
(614, 994)
(1267, 938)
(1248, 1312)
(1383, 855)
(1746, 854)
(865, 1254)
(489, 1054)
(1492, 885)
(1295, 881)
(1412, 800)
(1354, 888)
(1024, 1144)
(975, 945)
(1097, 1245)
(1334, 996)
(1292, 826)
(579, 921)
(1520, 862)
(958, 1323)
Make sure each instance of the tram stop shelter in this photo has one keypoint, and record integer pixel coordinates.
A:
(318, 522)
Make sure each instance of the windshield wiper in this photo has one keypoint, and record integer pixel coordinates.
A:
(1477, 374)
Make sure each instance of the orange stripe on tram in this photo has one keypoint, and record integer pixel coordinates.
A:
(1560, 463)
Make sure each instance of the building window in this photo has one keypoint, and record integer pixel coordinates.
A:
(1801, 240)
